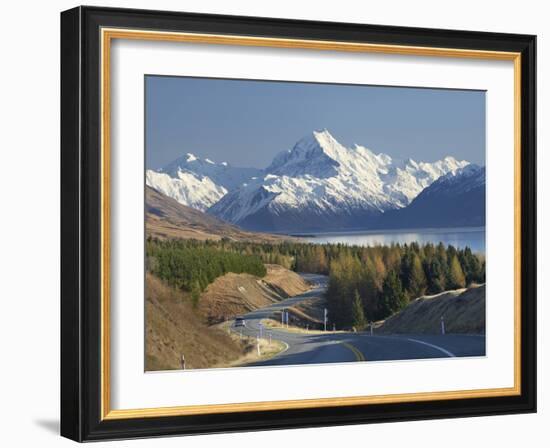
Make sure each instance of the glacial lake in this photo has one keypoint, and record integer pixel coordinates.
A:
(473, 237)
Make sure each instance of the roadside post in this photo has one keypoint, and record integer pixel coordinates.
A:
(371, 328)
(286, 319)
(182, 361)
(333, 327)
(325, 320)
(442, 325)
(258, 345)
(283, 318)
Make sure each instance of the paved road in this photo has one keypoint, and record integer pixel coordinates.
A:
(302, 348)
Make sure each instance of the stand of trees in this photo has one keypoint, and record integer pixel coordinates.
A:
(365, 283)
(384, 279)
(192, 265)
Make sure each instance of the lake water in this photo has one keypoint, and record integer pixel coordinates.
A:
(473, 237)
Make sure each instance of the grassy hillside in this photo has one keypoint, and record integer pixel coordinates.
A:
(173, 328)
(463, 311)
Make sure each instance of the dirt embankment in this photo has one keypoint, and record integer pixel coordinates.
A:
(463, 312)
(235, 294)
(286, 283)
(173, 328)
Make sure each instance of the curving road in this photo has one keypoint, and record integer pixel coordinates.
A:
(315, 348)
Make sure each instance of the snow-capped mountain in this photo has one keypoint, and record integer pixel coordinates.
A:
(454, 200)
(223, 174)
(461, 181)
(198, 183)
(320, 184)
(188, 189)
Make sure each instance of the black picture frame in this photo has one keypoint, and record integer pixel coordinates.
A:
(81, 224)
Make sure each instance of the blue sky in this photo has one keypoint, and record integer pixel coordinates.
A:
(246, 123)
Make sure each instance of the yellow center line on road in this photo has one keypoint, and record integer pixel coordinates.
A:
(355, 350)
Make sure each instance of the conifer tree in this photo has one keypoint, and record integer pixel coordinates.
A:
(392, 298)
(358, 315)
(417, 279)
(456, 275)
(436, 276)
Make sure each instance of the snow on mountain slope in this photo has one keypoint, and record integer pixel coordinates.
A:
(222, 174)
(454, 200)
(188, 189)
(320, 184)
(460, 181)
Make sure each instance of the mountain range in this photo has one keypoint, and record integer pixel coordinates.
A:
(456, 199)
(318, 185)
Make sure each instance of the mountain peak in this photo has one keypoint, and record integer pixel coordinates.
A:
(321, 134)
(316, 154)
(471, 169)
(469, 177)
(320, 138)
(221, 174)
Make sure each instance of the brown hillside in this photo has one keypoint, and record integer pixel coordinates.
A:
(286, 283)
(234, 294)
(463, 311)
(167, 218)
(173, 328)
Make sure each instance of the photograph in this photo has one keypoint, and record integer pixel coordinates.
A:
(300, 223)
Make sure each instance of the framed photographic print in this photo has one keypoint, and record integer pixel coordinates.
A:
(273, 223)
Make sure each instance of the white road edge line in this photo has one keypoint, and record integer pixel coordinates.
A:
(282, 351)
(447, 352)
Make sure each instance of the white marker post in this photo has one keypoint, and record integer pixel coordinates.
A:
(258, 344)
(325, 320)
(283, 318)
(442, 325)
